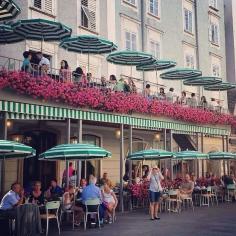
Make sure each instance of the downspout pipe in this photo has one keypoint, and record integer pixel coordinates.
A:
(142, 15)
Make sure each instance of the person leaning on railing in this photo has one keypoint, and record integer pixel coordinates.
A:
(64, 73)
(26, 65)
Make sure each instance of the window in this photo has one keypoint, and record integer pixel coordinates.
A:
(153, 7)
(188, 21)
(132, 2)
(130, 41)
(214, 33)
(213, 4)
(88, 14)
(155, 49)
(216, 70)
(44, 5)
(189, 61)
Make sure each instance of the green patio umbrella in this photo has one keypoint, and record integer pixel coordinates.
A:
(150, 154)
(41, 30)
(221, 156)
(220, 87)
(191, 155)
(204, 80)
(180, 74)
(130, 58)
(8, 10)
(88, 44)
(7, 35)
(156, 66)
(75, 152)
(11, 149)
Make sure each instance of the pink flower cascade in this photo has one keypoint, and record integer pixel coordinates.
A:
(93, 98)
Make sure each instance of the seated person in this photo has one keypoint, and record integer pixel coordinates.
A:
(109, 201)
(105, 179)
(37, 195)
(93, 192)
(54, 192)
(186, 187)
(68, 197)
(83, 184)
(12, 199)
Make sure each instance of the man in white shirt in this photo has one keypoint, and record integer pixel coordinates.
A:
(44, 63)
(171, 96)
(12, 199)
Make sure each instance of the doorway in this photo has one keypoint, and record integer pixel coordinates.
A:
(33, 168)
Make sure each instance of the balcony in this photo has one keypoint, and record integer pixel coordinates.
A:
(124, 97)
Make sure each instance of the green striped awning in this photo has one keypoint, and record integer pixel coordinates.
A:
(11, 149)
(64, 113)
(75, 152)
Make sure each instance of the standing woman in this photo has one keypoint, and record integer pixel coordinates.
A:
(155, 190)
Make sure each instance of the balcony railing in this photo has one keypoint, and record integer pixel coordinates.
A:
(10, 64)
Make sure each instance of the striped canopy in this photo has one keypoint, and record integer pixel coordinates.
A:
(7, 35)
(11, 149)
(88, 44)
(180, 73)
(221, 155)
(75, 152)
(157, 65)
(8, 9)
(41, 29)
(132, 58)
(191, 155)
(200, 81)
(220, 87)
(150, 154)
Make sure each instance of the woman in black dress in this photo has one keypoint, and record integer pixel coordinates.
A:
(37, 195)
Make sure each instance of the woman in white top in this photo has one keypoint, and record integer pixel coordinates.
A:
(155, 190)
(109, 200)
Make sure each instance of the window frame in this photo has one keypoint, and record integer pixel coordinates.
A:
(43, 9)
(192, 60)
(158, 9)
(131, 34)
(214, 6)
(212, 27)
(158, 52)
(130, 3)
(188, 29)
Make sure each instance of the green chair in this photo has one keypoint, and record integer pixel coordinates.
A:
(91, 208)
(52, 209)
(231, 190)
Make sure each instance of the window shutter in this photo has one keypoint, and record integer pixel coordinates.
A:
(190, 21)
(48, 6)
(210, 32)
(88, 14)
(127, 41)
(38, 4)
(134, 40)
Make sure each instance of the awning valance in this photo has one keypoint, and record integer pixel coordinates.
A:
(63, 113)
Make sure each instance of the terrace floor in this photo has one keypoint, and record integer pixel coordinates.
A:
(213, 221)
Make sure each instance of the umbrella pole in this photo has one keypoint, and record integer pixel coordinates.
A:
(79, 140)
(41, 49)
(88, 63)
(67, 162)
(121, 166)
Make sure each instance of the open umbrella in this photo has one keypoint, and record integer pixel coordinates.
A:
(8, 35)
(8, 9)
(156, 66)
(130, 58)
(150, 154)
(220, 87)
(75, 152)
(181, 74)
(41, 30)
(191, 155)
(11, 149)
(221, 155)
(88, 44)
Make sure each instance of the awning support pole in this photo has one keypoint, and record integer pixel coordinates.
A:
(68, 141)
(130, 162)
(121, 166)
(79, 140)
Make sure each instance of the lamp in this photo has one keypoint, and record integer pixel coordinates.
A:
(157, 137)
(9, 124)
(117, 133)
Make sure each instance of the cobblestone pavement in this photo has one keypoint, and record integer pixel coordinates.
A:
(213, 221)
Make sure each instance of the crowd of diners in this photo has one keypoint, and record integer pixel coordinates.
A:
(78, 76)
(72, 197)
